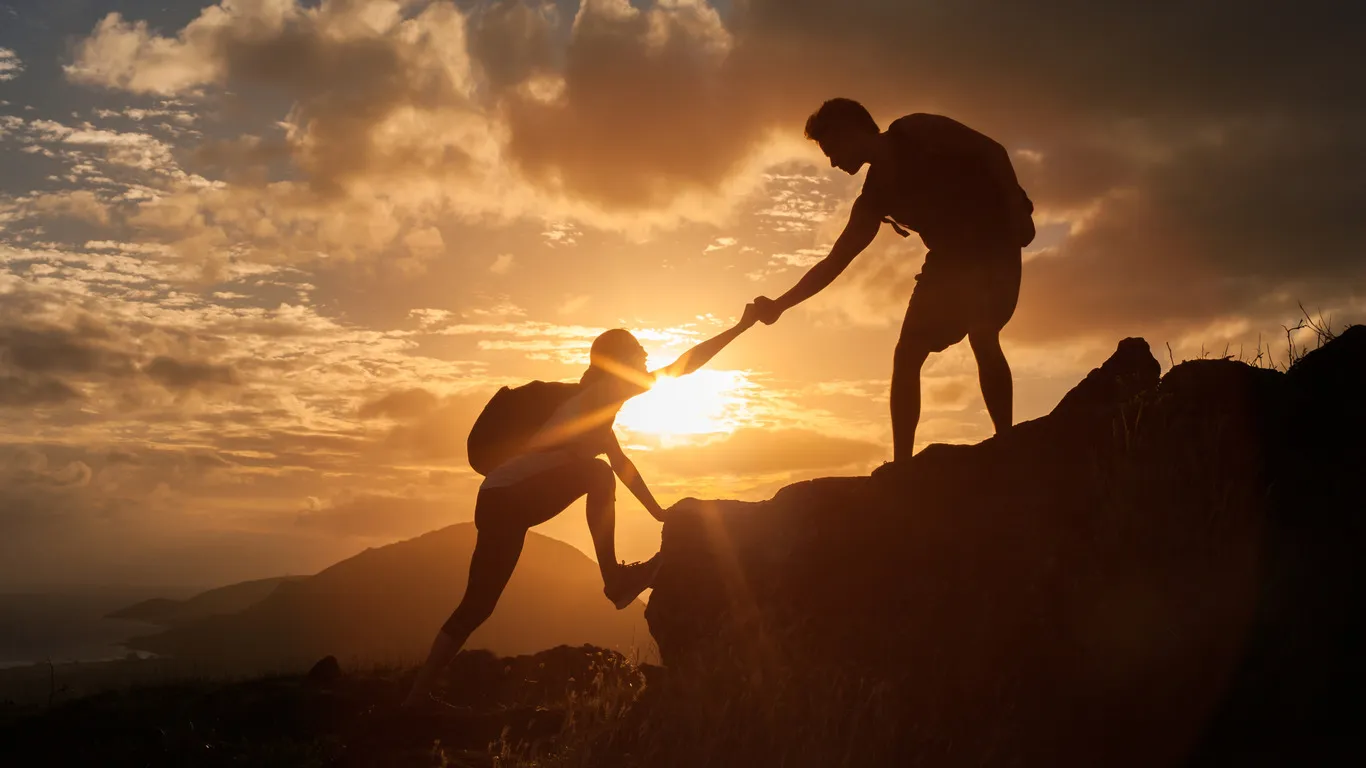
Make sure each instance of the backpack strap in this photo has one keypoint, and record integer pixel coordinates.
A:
(895, 226)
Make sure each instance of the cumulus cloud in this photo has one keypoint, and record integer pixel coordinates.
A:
(641, 115)
(128, 55)
(79, 204)
(479, 111)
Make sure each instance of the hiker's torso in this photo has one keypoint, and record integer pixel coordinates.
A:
(949, 183)
(580, 428)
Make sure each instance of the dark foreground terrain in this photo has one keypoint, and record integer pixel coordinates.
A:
(545, 709)
(1165, 571)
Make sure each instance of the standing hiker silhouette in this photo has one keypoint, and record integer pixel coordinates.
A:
(958, 190)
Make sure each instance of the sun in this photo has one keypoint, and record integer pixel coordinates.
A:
(702, 403)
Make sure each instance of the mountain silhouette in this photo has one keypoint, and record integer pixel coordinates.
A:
(1158, 572)
(385, 604)
(214, 602)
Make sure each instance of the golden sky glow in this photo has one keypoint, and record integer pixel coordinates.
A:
(261, 263)
(705, 403)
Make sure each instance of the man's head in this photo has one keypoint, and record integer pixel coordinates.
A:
(845, 131)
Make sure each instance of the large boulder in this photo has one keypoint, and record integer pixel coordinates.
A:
(1156, 573)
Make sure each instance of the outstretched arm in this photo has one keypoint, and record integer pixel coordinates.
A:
(858, 233)
(699, 355)
(630, 476)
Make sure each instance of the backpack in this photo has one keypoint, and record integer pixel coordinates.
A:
(511, 417)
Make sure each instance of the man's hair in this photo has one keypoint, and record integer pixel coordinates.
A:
(837, 114)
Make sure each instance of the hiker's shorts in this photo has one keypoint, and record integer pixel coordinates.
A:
(538, 497)
(958, 292)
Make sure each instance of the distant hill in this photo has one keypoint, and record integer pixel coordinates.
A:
(385, 605)
(215, 602)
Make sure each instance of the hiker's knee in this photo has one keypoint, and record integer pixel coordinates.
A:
(472, 612)
(599, 477)
(986, 344)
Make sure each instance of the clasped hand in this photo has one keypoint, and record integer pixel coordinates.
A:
(762, 309)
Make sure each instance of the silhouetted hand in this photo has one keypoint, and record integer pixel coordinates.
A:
(768, 310)
(750, 317)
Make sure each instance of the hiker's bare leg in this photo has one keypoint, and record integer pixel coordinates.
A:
(495, 556)
(602, 517)
(993, 372)
(906, 364)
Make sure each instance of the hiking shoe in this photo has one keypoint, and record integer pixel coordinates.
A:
(632, 579)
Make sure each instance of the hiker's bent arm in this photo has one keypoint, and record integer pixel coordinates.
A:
(630, 476)
(858, 233)
(699, 355)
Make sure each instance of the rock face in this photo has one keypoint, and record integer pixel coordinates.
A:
(1156, 573)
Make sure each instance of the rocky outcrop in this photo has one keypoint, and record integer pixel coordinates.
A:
(1155, 573)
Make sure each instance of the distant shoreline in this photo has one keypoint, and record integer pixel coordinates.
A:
(120, 653)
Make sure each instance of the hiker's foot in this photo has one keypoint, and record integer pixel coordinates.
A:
(630, 580)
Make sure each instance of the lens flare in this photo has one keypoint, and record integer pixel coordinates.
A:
(702, 403)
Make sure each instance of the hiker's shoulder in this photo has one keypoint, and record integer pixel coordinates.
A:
(608, 389)
(924, 125)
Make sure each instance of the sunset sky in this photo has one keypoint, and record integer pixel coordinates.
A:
(262, 262)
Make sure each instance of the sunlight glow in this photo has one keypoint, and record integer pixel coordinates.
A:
(702, 403)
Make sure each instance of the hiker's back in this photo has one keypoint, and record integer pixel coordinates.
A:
(951, 183)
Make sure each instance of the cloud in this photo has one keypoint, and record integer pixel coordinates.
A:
(493, 111)
(120, 54)
(374, 90)
(10, 65)
(31, 392)
(409, 404)
(720, 243)
(439, 433)
(84, 349)
(185, 375)
(502, 264)
(638, 116)
(80, 204)
(377, 516)
(427, 427)
(634, 80)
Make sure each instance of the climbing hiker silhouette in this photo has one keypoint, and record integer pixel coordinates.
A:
(958, 190)
(537, 446)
